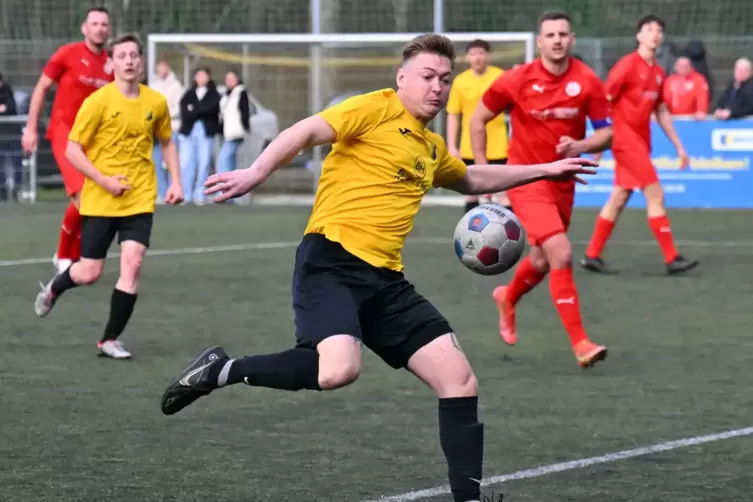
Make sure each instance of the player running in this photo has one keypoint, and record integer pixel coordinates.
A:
(111, 145)
(348, 283)
(465, 94)
(550, 99)
(78, 69)
(634, 86)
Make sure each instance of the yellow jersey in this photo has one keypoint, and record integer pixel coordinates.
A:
(117, 133)
(465, 95)
(382, 163)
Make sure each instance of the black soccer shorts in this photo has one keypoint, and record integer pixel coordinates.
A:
(337, 293)
(98, 232)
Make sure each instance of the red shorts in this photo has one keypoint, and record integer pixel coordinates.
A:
(73, 179)
(544, 209)
(634, 170)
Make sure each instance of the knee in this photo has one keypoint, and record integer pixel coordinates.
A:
(619, 198)
(338, 375)
(462, 383)
(88, 271)
(538, 260)
(130, 267)
(559, 252)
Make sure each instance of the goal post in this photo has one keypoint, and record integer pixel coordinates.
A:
(291, 76)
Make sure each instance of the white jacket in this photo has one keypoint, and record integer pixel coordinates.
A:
(231, 116)
(173, 90)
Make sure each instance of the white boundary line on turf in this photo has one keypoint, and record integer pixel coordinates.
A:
(256, 246)
(538, 472)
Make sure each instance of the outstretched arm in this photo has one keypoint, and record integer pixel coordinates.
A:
(307, 133)
(482, 179)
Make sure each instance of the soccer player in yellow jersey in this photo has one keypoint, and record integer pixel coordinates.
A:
(348, 283)
(465, 95)
(111, 144)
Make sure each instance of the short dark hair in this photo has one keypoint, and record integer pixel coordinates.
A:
(554, 15)
(123, 39)
(100, 8)
(432, 43)
(648, 19)
(478, 44)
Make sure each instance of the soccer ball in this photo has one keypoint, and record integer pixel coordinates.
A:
(489, 239)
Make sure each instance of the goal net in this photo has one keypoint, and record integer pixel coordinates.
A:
(289, 77)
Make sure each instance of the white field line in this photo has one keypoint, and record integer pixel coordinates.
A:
(255, 246)
(538, 472)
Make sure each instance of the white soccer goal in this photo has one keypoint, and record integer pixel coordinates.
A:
(290, 76)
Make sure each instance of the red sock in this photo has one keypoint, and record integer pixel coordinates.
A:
(70, 231)
(76, 249)
(524, 280)
(602, 231)
(663, 233)
(565, 297)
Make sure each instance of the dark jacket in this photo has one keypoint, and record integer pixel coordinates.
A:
(207, 110)
(739, 101)
(9, 132)
(696, 52)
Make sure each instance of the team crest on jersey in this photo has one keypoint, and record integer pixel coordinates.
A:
(420, 167)
(572, 89)
(658, 79)
(108, 66)
(433, 152)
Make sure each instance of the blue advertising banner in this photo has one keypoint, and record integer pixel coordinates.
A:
(719, 176)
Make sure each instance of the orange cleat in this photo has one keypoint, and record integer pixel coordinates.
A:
(588, 353)
(506, 316)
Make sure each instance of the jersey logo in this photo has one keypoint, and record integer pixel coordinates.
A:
(658, 80)
(433, 152)
(85, 62)
(572, 89)
(419, 167)
(115, 115)
(404, 131)
(108, 66)
(537, 87)
(149, 116)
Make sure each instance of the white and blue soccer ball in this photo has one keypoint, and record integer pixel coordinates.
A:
(489, 239)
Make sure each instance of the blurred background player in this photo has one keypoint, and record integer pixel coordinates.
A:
(120, 191)
(465, 94)
(634, 87)
(550, 99)
(78, 69)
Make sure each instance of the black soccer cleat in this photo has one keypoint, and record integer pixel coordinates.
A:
(681, 265)
(193, 382)
(595, 265)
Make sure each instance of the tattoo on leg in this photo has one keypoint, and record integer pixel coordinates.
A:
(455, 342)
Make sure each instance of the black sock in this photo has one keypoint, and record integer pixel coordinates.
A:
(470, 205)
(462, 439)
(62, 282)
(121, 308)
(294, 369)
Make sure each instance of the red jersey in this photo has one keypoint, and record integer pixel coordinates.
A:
(686, 95)
(78, 72)
(635, 89)
(546, 107)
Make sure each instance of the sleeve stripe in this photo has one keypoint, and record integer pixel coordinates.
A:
(601, 124)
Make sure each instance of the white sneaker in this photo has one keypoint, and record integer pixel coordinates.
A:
(113, 349)
(61, 265)
(45, 300)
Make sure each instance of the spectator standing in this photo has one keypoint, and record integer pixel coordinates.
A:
(737, 99)
(686, 91)
(166, 83)
(199, 124)
(235, 117)
(10, 145)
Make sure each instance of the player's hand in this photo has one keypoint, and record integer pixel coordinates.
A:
(597, 156)
(174, 195)
(116, 185)
(684, 159)
(29, 140)
(569, 169)
(231, 185)
(569, 147)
